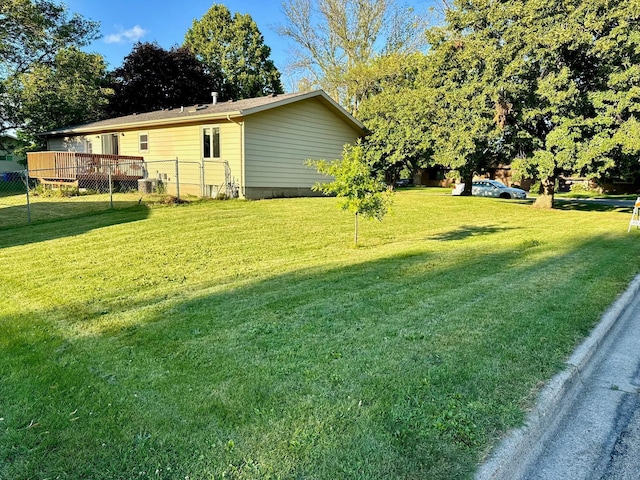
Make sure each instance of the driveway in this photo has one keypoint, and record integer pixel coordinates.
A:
(605, 202)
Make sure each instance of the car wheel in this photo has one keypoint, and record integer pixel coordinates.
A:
(505, 195)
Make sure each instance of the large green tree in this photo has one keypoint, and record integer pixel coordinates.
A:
(556, 66)
(32, 34)
(233, 48)
(69, 91)
(399, 116)
(443, 108)
(611, 136)
(552, 85)
(152, 78)
(567, 70)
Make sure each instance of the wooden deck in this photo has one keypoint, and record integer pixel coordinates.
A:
(55, 167)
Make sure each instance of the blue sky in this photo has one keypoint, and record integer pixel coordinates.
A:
(124, 22)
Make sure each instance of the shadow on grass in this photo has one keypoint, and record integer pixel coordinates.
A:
(91, 216)
(584, 205)
(404, 367)
(10, 189)
(468, 231)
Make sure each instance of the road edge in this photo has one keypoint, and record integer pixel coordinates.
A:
(515, 452)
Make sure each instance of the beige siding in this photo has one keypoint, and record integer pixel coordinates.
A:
(165, 144)
(279, 141)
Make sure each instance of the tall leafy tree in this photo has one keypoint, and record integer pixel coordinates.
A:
(567, 69)
(463, 89)
(611, 145)
(399, 116)
(555, 63)
(70, 91)
(442, 108)
(233, 48)
(336, 41)
(551, 85)
(152, 78)
(32, 33)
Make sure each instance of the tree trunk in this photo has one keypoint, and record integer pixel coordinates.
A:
(545, 199)
(468, 184)
(390, 178)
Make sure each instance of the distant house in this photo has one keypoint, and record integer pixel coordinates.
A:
(259, 144)
(8, 157)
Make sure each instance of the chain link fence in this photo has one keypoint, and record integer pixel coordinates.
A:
(209, 178)
(74, 185)
(13, 205)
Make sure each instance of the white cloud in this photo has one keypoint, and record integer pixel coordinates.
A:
(132, 35)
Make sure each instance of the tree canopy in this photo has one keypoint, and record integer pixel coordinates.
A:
(232, 48)
(152, 78)
(45, 80)
(70, 91)
(32, 32)
(399, 118)
(550, 86)
(565, 71)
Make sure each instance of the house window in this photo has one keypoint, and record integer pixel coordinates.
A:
(144, 142)
(211, 142)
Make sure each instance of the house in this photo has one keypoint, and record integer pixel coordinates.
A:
(259, 145)
(436, 176)
(8, 157)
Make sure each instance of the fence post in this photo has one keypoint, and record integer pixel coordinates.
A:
(26, 182)
(177, 180)
(228, 187)
(110, 186)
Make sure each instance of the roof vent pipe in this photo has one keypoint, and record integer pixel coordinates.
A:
(214, 96)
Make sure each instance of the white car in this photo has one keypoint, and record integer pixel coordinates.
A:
(490, 188)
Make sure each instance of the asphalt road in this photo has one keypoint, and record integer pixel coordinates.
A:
(598, 435)
(624, 461)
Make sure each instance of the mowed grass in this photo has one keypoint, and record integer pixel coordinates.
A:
(15, 212)
(251, 340)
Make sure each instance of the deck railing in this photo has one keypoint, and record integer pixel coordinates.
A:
(72, 165)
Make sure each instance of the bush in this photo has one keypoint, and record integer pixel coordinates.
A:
(41, 190)
(583, 187)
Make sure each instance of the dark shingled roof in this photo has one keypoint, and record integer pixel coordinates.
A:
(208, 111)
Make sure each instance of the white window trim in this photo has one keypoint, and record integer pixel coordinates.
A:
(140, 149)
(202, 135)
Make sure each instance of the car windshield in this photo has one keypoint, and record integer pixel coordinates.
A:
(498, 184)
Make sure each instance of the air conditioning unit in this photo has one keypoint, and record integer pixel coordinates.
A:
(211, 191)
(147, 185)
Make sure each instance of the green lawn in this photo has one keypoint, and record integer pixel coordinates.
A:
(250, 340)
(13, 206)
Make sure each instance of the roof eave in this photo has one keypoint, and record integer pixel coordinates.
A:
(137, 125)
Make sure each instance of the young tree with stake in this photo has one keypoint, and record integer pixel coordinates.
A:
(354, 184)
